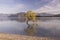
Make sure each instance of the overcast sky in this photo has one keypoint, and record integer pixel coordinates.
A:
(15, 6)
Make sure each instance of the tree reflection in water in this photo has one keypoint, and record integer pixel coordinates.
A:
(31, 29)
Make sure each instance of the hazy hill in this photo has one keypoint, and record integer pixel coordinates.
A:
(44, 14)
(38, 14)
(57, 15)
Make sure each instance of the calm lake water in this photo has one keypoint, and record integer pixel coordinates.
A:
(44, 28)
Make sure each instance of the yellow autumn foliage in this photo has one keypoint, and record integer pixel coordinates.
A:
(31, 15)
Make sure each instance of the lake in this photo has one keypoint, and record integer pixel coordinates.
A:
(45, 27)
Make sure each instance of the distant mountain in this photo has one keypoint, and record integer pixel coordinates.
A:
(57, 15)
(44, 14)
(48, 15)
(38, 14)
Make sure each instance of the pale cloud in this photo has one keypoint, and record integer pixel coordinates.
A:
(41, 2)
(14, 9)
(52, 7)
(20, 6)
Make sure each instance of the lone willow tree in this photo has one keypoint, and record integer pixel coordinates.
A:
(30, 15)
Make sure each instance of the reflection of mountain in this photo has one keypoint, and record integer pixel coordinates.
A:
(4, 16)
(13, 16)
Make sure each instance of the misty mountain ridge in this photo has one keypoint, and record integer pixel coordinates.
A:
(44, 14)
(38, 14)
